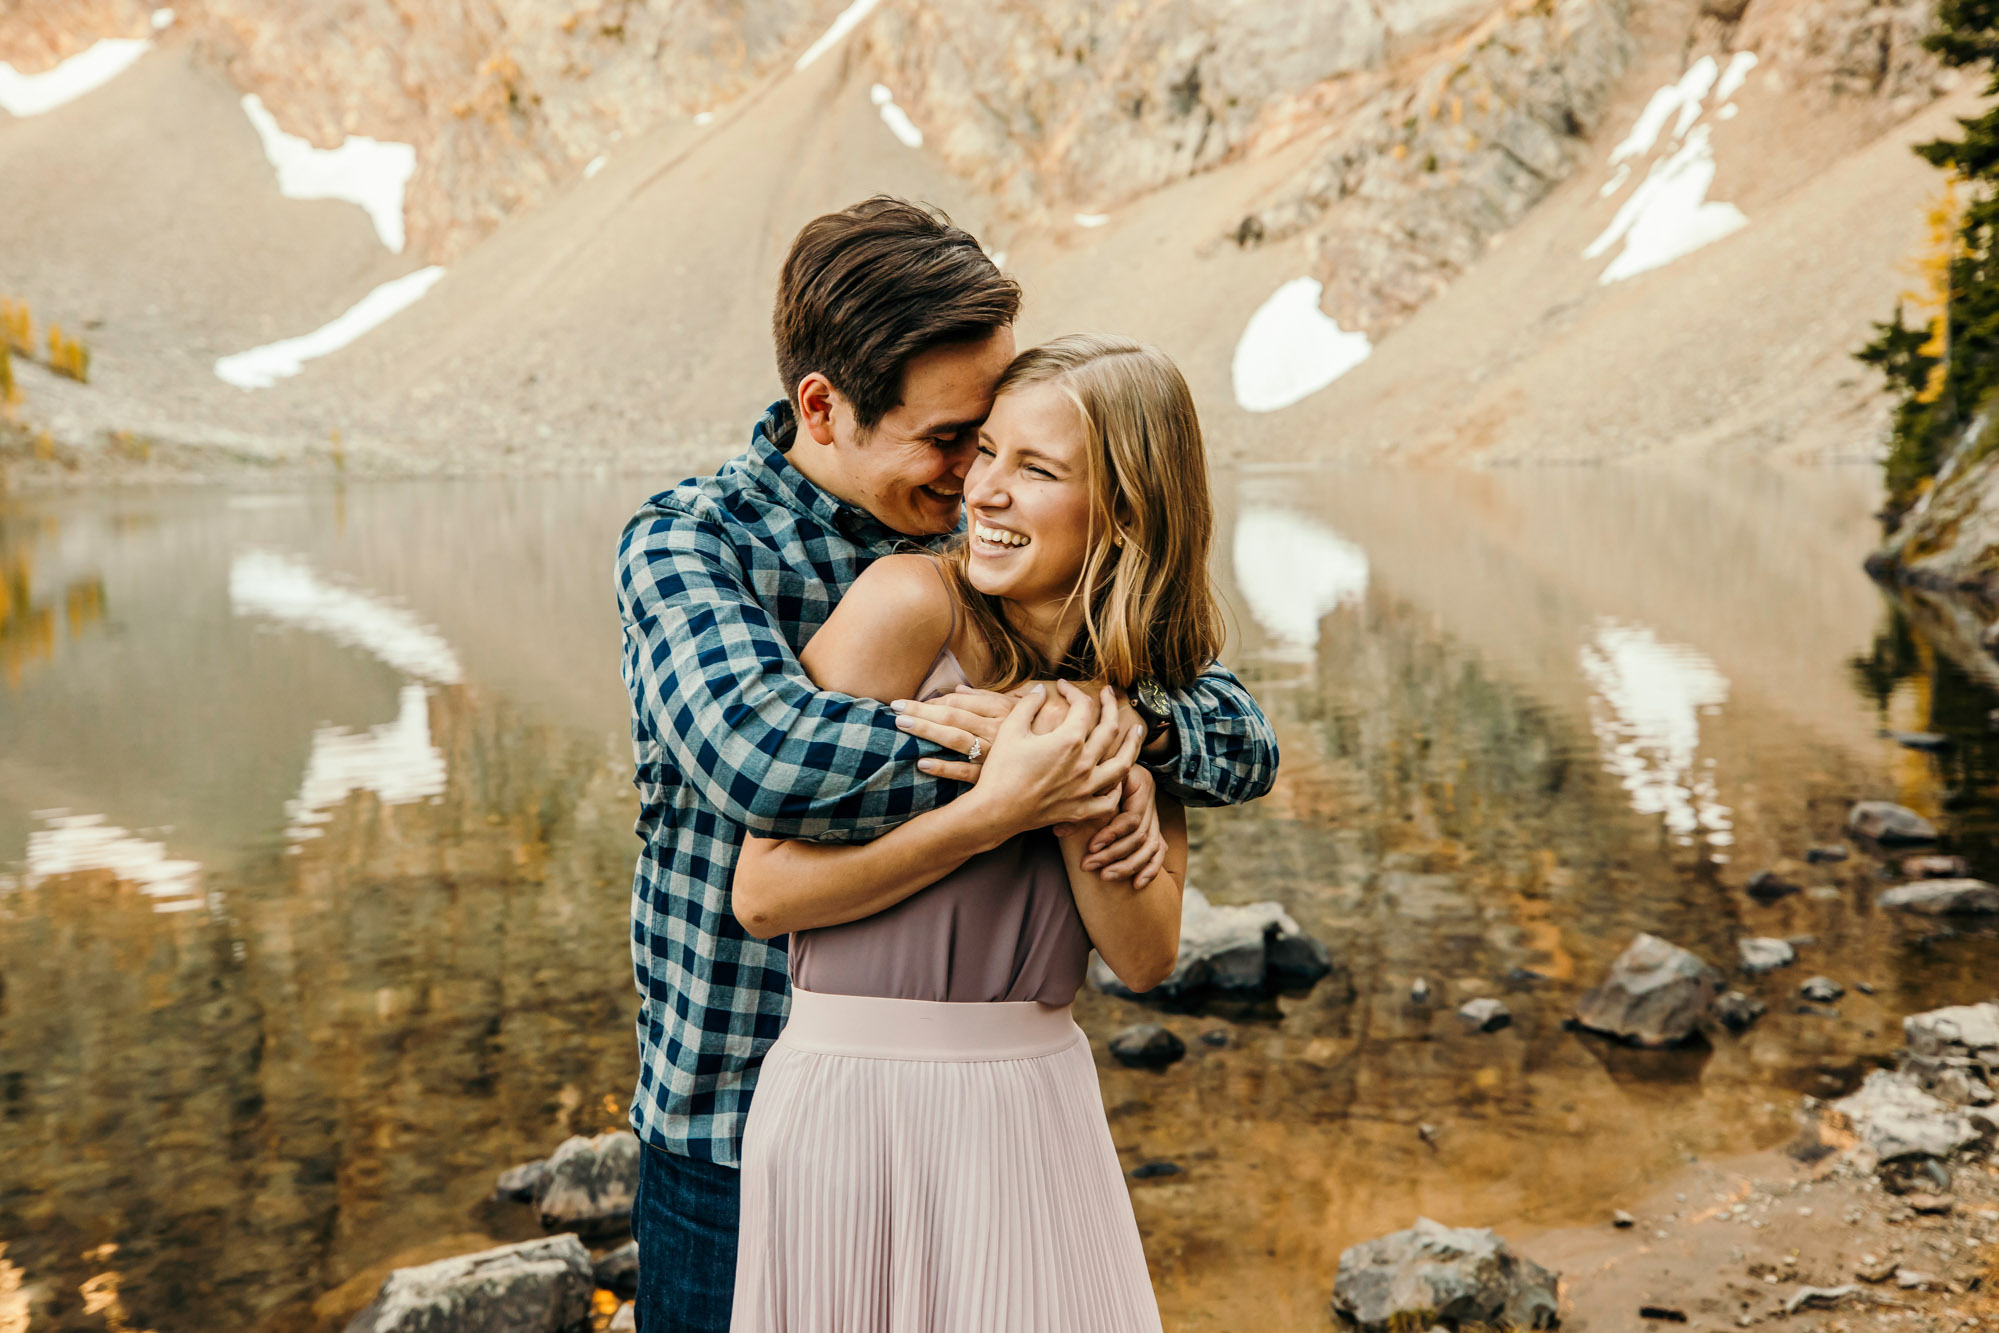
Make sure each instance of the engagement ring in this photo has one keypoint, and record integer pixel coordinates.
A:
(978, 748)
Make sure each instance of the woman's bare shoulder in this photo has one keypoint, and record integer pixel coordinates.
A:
(887, 630)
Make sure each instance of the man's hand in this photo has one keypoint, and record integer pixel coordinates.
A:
(955, 721)
(1071, 774)
(1131, 845)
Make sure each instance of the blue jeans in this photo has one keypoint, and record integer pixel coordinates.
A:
(684, 1220)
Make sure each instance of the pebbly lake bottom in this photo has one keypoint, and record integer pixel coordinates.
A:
(315, 823)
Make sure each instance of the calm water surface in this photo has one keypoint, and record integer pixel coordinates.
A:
(315, 835)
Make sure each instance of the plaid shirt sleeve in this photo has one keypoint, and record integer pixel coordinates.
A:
(735, 713)
(1228, 752)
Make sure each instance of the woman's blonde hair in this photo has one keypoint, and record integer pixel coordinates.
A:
(1148, 607)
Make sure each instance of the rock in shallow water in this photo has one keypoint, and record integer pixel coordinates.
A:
(1656, 994)
(1484, 1015)
(1738, 1011)
(591, 1184)
(1451, 1275)
(1146, 1046)
(1886, 822)
(1760, 955)
(537, 1286)
(1943, 897)
(1821, 990)
(1935, 865)
(1230, 951)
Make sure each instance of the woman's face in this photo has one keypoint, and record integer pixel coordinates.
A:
(1027, 497)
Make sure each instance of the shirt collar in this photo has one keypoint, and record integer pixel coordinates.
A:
(770, 442)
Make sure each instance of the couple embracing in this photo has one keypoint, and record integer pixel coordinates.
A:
(920, 684)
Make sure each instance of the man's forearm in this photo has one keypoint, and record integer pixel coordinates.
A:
(1219, 748)
(787, 886)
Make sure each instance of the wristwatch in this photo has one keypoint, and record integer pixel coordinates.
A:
(1149, 701)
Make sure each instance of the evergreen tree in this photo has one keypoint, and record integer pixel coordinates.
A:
(1945, 372)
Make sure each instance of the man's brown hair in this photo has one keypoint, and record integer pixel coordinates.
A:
(868, 289)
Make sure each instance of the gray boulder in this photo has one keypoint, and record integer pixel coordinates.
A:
(1943, 897)
(1147, 1046)
(1886, 822)
(1434, 1274)
(1953, 1053)
(1959, 1031)
(1250, 950)
(1894, 1118)
(523, 1183)
(591, 1184)
(537, 1286)
(1656, 994)
(1760, 955)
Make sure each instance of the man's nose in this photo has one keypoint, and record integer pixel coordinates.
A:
(961, 457)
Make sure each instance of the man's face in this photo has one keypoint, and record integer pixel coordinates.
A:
(909, 470)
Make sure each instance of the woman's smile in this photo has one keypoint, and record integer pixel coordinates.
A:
(990, 539)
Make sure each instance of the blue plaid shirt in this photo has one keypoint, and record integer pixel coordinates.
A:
(720, 581)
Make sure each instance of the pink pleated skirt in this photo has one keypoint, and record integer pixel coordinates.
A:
(918, 1167)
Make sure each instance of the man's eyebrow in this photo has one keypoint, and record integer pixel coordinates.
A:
(952, 427)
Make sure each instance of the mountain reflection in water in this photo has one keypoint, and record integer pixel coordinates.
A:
(1523, 715)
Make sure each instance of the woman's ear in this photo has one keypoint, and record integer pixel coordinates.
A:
(817, 399)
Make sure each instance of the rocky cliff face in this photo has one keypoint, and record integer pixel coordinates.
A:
(1430, 125)
(501, 98)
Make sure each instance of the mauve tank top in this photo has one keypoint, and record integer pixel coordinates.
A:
(1003, 926)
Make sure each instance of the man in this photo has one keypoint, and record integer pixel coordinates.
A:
(891, 327)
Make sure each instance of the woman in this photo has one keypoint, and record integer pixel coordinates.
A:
(927, 1148)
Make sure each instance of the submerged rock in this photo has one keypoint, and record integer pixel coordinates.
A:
(1146, 1046)
(1827, 853)
(1821, 990)
(1434, 1274)
(1229, 951)
(1932, 741)
(1886, 822)
(1767, 886)
(537, 1286)
(1656, 994)
(591, 1184)
(1943, 897)
(1485, 1015)
(1935, 865)
(1760, 955)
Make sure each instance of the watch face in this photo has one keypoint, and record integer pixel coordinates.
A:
(1149, 698)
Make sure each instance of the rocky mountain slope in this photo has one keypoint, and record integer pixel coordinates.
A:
(610, 187)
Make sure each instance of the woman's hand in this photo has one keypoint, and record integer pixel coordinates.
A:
(1073, 773)
(1131, 845)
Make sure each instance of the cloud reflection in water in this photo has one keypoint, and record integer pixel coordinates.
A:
(1292, 573)
(75, 844)
(1646, 710)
